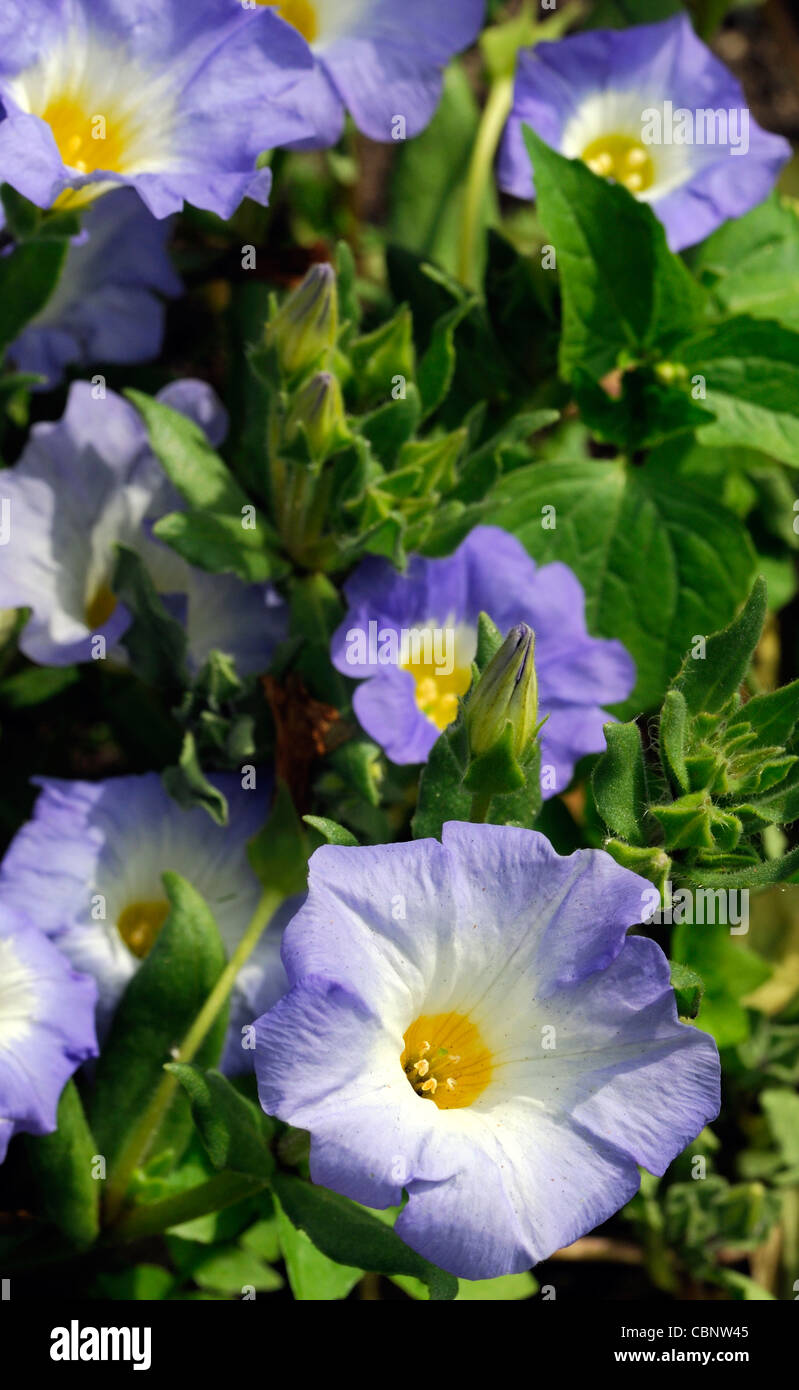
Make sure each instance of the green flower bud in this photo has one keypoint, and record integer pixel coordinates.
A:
(507, 692)
(319, 408)
(306, 324)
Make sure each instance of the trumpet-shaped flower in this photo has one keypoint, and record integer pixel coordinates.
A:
(413, 636)
(652, 108)
(468, 1022)
(177, 99)
(107, 306)
(87, 483)
(381, 61)
(92, 860)
(46, 1027)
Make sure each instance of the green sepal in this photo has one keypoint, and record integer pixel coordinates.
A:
(688, 988)
(352, 1236)
(235, 1133)
(620, 783)
(497, 771)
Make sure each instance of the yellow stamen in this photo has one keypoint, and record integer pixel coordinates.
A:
(100, 606)
(453, 1080)
(623, 159)
(139, 925)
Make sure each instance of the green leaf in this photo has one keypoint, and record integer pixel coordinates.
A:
(751, 263)
(235, 1133)
(507, 1288)
(36, 685)
(333, 833)
(235, 1270)
(156, 1010)
(707, 683)
(750, 369)
(188, 785)
(619, 783)
(688, 988)
(222, 545)
(156, 642)
(146, 1283)
(312, 1276)
(345, 1232)
(623, 289)
(658, 563)
(62, 1164)
(28, 277)
(279, 853)
(195, 468)
(437, 367)
(781, 1107)
(647, 413)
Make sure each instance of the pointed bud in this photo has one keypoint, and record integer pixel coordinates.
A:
(507, 692)
(306, 324)
(319, 408)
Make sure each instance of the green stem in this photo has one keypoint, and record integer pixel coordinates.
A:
(492, 124)
(136, 1149)
(218, 1192)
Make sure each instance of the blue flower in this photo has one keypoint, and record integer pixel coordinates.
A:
(410, 695)
(87, 482)
(468, 1022)
(378, 59)
(652, 108)
(46, 1026)
(107, 306)
(92, 860)
(177, 99)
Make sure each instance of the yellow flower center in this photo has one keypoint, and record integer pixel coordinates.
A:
(446, 1060)
(86, 140)
(301, 13)
(437, 694)
(100, 607)
(623, 159)
(139, 925)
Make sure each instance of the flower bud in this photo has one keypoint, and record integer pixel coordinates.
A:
(319, 408)
(306, 324)
(507, 692)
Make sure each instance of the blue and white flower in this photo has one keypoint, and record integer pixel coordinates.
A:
(46, 1026)
(177, 99)
(381, 61)
(652, 108)
(89, 866)
(108, 305)
(468, 1022)
(411, 638)
(88, 482)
